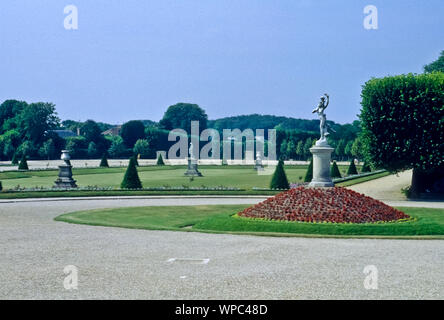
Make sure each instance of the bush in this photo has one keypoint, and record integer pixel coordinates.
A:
(131, 179)
(309, 174)
(160, 161)
(135, 160)
(23, 164)
(279, 179)
(366, 168)
(1, 187)
(104, 161)
(142, 148)
(352, 168)
(334, 171)
(402, 126)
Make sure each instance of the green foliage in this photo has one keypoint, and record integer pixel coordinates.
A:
(352, 168)
(131, 132)
(14, 159)
(131, 179)
(77, 146)
(334, 171)
(48, 149)
(104, 161)
(142, 147)
(23, 165)
(279, 179)
(92, 150)
(309, 174)
(403, 121)
(366, 168)
(437, 65)
(117, 148)
(160, 161)
(180, 115)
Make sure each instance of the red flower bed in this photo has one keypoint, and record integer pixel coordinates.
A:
(336, 205)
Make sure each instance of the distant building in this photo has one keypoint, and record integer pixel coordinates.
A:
(64, 133)
(114, 131)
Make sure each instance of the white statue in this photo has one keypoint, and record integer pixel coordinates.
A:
(325, 100)
(191, 150)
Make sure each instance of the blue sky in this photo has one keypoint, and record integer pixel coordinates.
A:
(132, 59)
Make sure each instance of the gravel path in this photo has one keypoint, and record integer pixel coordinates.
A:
(123, 263)
(385, 188)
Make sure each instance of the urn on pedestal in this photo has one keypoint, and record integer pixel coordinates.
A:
(65, 180)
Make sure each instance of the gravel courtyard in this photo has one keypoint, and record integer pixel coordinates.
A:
(115, 263)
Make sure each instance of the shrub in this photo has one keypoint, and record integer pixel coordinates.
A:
(366, 167)
(402, 126)
(279, 179)
(352, 168)
(309, 173)
(23, 164)
(1, 187)
(131, 179)
(104, 161)
(160, 161)
(334, 171)
(142, 148)
(135, 160)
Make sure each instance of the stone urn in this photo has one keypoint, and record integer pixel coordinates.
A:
(65, 180)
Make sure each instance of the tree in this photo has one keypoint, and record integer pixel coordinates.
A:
(160, 161)
(283, 150)
(91, 131)
(334, 171)
(279, 179)
(131, 179)
(142, 147)
(352, 168)
(9, 109)
(307, 145)
(309, 174)
(77, 146)
(300, 150)
(36, 119)
(92, 150)
(131, 132)
(180, 115)
(47, 150)
(340, 149)
(348, 149)
(437, 65)
(23, 165)
(117, 148)
(356, 148)
(14, 159)
(104, 161)
(402, 123)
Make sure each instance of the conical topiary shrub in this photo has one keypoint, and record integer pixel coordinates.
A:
(309, 174)
(14, 159)
(1, 187)
(135, 160)
(352, 168)
(23, 165)
(104, 162)
(279, 179)
(334, 171)
(131, 179)
(366, 168)
(160, 161)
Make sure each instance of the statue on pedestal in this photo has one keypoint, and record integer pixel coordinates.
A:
(192, 163)
(322, 150)
(323, 104)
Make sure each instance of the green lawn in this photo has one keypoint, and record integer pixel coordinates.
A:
(243, 177)
(427, 223)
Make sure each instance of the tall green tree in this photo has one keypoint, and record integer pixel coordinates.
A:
(437, 65)
(142, 147)
(131, 132)
(402, 122)
(180, 115)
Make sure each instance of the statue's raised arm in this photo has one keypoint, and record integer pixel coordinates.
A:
(325, 100)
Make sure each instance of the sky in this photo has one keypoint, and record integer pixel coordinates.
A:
(132, 59)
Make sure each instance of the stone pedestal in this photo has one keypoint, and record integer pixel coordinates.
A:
(65, 179)
(192, 168)
(321, 165)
